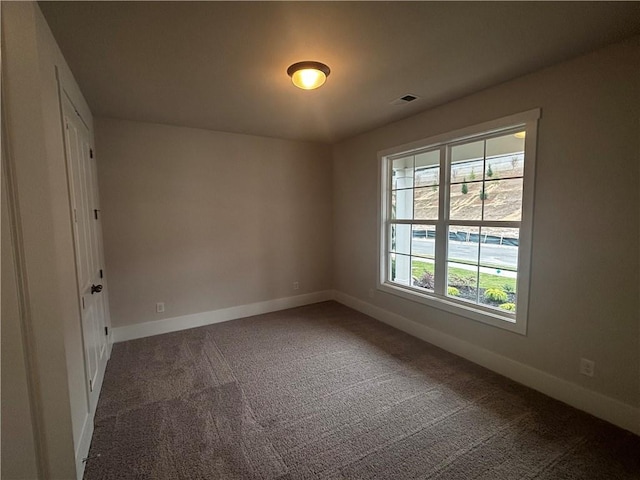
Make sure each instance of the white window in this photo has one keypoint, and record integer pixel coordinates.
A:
(456, 214)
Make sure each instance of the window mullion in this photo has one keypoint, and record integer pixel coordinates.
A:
(478, 265)
(440, 283)
(483, 192)
(413, 216)
(483, 197)
(486, 223)
(388, 222)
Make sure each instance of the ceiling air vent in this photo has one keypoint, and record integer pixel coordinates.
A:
(409, 97)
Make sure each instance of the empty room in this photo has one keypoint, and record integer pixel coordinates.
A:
(320, 240)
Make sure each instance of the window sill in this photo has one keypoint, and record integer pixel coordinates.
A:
(504, 321)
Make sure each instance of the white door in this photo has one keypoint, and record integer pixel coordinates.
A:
(85, 212)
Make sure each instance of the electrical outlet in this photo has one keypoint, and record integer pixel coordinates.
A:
(587, 367)
(296, 285)
(159, 307)
(371, 293)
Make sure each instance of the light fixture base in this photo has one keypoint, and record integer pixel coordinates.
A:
(308, 75)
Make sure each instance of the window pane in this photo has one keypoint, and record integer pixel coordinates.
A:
(401, 238)
(423, 273)
(509, 144)
(467, 171)
(426, 203)
(467, 162)
(505, 157)
(467, 151)
(465, 201)
(402, 205)
(499, 248)
(427, 169)
(499, 267)
(503, 200)
(400, 269)
(423, 241)
(402, 173)
(462, 268)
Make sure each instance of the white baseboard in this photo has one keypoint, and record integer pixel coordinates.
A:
(82, 450)
(609, 409)
(157, 327)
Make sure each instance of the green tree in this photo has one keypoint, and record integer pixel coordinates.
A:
(465, 188)
(483, 195)
(489, 171)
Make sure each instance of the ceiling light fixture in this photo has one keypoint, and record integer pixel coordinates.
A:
(308, 75)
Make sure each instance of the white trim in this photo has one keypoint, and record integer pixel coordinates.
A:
(67, 81)
(82, 451)
(525, 245)
(609, 409)
(184, 322)
(482, 129)
(479, 313)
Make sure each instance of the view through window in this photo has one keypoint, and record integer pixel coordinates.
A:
(453, 223)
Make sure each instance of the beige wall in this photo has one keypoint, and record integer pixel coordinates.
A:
(203, 220)
(584, 278)
(18, 458)
(30, 93)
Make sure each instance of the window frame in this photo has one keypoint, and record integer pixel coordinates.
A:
(517, 322)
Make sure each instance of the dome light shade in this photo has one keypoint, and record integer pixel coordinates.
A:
(308, 75)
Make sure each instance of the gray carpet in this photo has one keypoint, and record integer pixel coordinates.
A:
(325, 392)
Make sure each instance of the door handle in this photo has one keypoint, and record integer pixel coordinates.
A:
(96, 289)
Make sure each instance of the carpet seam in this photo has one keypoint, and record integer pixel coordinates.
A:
(431, 424)
(474, 446)
(246, 405)
(578, 443)
(362, 420)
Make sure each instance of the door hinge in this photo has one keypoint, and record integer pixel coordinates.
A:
(83, 303)
(95, 213)
(75, 215)
(91, 152)
(106, 330)
(101, 275)
(90, 385)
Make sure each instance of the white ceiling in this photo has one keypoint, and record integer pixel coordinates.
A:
(222, 65)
